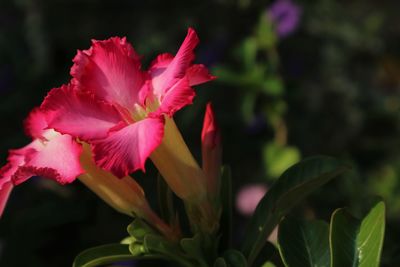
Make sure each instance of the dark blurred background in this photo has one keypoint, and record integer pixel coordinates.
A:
(295, 78)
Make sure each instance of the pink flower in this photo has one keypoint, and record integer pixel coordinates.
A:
(118, 108)
(50, 154)
(248, 198)
(59, 157)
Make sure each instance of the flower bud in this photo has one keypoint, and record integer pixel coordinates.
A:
(211, 151)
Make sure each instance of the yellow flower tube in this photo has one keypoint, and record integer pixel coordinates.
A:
(124, 195)
(177, 165)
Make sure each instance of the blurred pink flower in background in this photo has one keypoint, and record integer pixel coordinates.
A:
(248, 197)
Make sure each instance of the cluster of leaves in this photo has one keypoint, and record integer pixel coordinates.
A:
(348, 242)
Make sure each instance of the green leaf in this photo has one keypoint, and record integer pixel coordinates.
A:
(139, 229)
(249, 48)
(343, 234)
(294, 185)
(304, 244)
(103, 255)
(226, 200)
(265, 33)
(270, 253)
(273, 86)
(371, 235)
(235, 258)
(357, 242)
(157, 245)
(232, 258)
(268, 264)
(193, 248)
(220, 262)
(137, 249)
(128, 240)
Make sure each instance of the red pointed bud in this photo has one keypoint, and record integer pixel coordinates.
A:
(211, 151)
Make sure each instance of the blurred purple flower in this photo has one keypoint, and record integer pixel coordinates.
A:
(285, 15)
(248, 198)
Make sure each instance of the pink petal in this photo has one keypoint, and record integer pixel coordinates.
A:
(35, 124)
(6, 172)
(17, 158)
(126, 150)
(198, 74)
(5, 191)
(111, 70)
(57, 160)
(179, 96)
(80, 113)
(145, 93)
(177, 68)
(161, 62)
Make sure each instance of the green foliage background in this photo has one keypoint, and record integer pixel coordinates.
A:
(331, 87)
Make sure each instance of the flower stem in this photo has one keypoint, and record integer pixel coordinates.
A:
(153, 219)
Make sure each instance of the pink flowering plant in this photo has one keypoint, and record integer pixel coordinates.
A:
(112, 116)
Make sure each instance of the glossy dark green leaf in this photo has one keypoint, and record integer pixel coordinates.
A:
(270, 253)
(294, 185)
(357, 242)
(304, 244)
(103, 255)
(371, 236)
